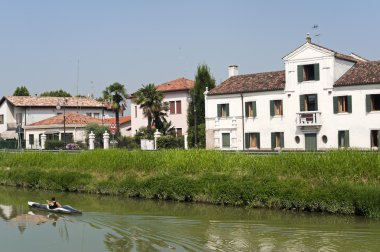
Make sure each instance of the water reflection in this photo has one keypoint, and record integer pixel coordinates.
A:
(119, 224)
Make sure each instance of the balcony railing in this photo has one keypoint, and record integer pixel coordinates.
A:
(309, 118)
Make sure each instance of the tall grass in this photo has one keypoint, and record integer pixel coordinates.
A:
(337, 182)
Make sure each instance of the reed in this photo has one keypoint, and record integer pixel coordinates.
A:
(344, 182)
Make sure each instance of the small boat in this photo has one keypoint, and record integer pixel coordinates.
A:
(66, 209)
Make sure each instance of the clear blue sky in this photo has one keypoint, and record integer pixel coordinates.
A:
(141, 42)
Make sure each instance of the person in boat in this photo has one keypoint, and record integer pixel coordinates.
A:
(53, 203)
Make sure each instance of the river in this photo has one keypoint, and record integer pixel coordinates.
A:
(120, 224)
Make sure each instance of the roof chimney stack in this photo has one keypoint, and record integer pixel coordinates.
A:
(308, 38)
(233, 70)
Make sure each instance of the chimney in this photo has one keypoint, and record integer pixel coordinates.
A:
(308, 38)
(233, 70)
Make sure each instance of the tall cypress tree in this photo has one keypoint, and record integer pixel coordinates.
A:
(203, 79)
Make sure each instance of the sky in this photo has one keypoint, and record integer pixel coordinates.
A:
(82, 46)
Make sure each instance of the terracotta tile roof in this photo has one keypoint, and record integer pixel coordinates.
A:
(71, 119)
(122, 120)
(268, 81)
(176, 85)
(40, 101)
(360, 74)
(346, 57)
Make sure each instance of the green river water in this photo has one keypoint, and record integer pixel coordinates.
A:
(120, 224)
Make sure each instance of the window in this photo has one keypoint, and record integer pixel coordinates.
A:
(175, 107)
(225, 140)
(172, 107)
(297, 139)
(19, 118)
(178, 107)
(373, 102)
(308, 72)
(309, 102)
(250, 109)
(1, 119)
(31, 139)
(375, 138)
(343, 139)
(342, 104)
(96, 115)
(69, 137)
(135, 111)
(276, 108)
(179, 132)
(59, 113)
(223, 110)
(88, 114)
(252, 140)
(277, 140)
(324, 139)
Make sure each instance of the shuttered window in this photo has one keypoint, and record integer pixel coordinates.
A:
(342, 104)
(309, 102)
(375, 138)
(277, 140)
(172, 107)
(223, 110)
(1, 119)
(252, 140)
(250, 109)
(308, 72)
(276, 108)
(343, 138)
(178, 107)
(373, 102)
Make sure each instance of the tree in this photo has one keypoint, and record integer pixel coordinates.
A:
(56, 93)
(203, 79)
(21, 91)
(150, 101)
(116, 94)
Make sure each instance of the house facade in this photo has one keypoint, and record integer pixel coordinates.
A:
(19, 111)
(176, 93)
(322, 100)
(72, 125)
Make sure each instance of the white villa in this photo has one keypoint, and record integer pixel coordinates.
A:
(176, 93)
(322, 100)
(23, 112)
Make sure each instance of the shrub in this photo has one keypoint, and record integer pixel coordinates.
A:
(54, 145)
(169, 142)
(128, 142)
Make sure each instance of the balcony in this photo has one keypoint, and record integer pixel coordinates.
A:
(309, 118)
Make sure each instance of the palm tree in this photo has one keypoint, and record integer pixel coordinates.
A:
(150, 101)
(116, 94)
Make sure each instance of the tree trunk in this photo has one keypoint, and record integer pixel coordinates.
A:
(117, 122)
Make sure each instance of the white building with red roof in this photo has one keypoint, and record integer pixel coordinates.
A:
(125, 125)
(176, 93)
(19, 111)
(322, 100)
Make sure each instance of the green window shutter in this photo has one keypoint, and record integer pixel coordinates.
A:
(316, 72)
(246, 140)
(349, 104)
(282, 139)
(378, 139)
(247, 109)
(273, 140)
(282, 108)
(227, 110)
(258, 140)
(300, 73)
(254, 109)
(316, 102)
(339, 138)
(346, 139)
(271, 108)
(219, 110)
(302, 103)
(335, 102)
(368, 103)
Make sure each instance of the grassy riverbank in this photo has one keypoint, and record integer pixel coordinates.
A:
(345, 182)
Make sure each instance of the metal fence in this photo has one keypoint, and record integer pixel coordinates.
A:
(12, 144)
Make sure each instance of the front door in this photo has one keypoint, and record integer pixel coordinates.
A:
(311, 142)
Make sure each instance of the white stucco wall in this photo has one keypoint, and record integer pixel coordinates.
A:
(359, 122)
(178, 120)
